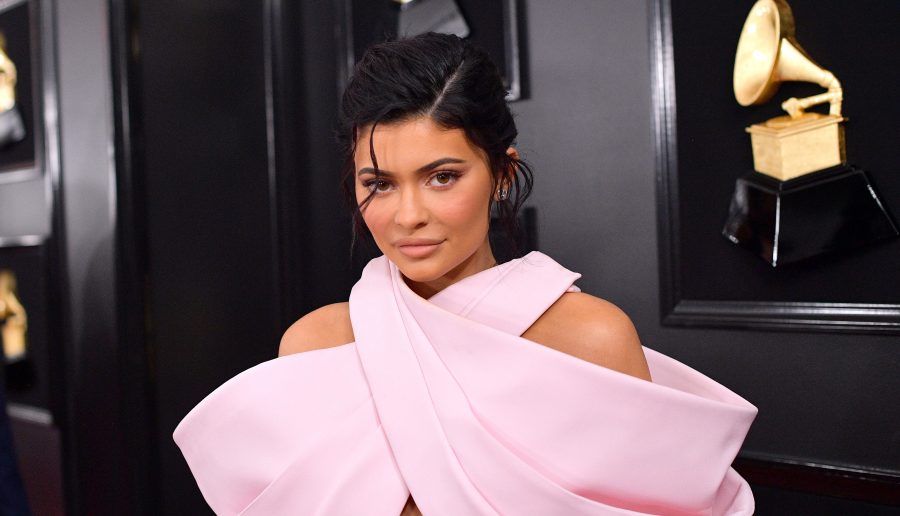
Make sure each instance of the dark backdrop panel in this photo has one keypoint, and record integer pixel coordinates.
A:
(373, 22)
(28, 381)
(38, 452)
(18, 28)
(321, 269)
(246, 229)
(776, 502)
(213, 303)
(855, 41)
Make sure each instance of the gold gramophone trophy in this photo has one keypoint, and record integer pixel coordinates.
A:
(13, 319)
(12, 128)
(803, 200)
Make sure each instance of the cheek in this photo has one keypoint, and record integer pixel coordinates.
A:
(467, 210)
(375, 216)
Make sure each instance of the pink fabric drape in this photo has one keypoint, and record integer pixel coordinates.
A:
(443, 399)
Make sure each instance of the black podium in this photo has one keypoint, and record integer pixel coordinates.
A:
(789, 221)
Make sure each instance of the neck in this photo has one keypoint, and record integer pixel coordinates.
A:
(480, 260)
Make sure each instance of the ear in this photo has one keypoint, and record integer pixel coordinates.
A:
(513, 153)
(507, 180)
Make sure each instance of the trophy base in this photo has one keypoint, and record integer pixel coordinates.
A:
(783, 222)
(786, 148)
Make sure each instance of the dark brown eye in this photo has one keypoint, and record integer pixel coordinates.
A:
(444, 178)
(377, 185)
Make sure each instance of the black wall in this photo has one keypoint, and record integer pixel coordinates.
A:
(244, 229)
(212, 300)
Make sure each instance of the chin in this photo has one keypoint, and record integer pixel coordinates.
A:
(435, 266)
(420, 271)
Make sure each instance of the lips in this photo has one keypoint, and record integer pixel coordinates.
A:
(418, 247)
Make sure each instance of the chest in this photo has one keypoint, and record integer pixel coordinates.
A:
(410, 508)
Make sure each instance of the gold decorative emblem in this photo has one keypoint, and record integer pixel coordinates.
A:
(13, 320)
(12, 129)
(768, 54)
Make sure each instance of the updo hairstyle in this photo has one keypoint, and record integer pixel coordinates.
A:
(454, 83)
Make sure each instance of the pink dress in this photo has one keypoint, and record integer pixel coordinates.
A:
(442, 399)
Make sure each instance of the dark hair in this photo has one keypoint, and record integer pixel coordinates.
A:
(454, 83)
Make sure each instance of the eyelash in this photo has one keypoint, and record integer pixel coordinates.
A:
(370, 184)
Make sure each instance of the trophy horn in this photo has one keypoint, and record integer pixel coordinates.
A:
(768, 54)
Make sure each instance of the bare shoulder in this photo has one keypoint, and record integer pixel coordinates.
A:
(591, 329)
(325, 327)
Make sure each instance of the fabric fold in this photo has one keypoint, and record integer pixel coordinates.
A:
(443, 399)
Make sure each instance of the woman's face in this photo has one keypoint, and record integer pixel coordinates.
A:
(429, 214)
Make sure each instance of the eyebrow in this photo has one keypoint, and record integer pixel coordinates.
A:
(424, 168)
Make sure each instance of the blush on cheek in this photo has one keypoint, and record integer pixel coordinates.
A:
(465, 207)
(465, 219)
(378, 223)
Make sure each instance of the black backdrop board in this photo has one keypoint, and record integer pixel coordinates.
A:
(494, 26)
(703, 149)
(20, 31)
(27, 380)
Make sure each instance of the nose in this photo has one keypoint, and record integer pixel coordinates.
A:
(411, 212)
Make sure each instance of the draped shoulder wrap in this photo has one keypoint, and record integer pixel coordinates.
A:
(443, 399)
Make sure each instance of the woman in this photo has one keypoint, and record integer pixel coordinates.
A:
(450, 384)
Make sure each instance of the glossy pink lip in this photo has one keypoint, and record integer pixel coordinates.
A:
(418, 247)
